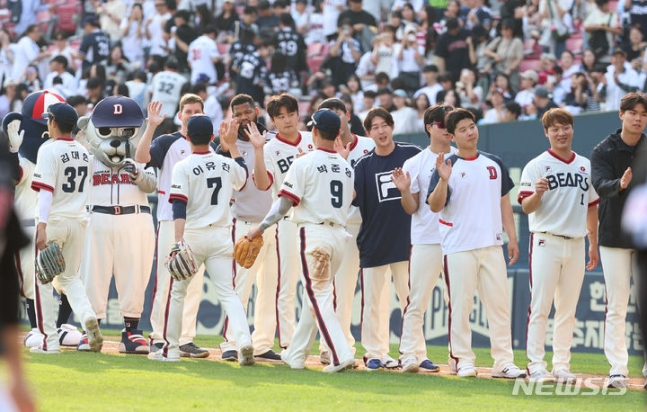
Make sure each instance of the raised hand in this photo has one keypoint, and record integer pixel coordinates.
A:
(257, 139)
(229, 132)
(15, 137)
(154, 118)
(401, 179)
(444, 169)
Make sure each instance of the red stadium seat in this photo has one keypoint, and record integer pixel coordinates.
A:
(529, 64)
(304, 108)
(531, 49)
(575, 45)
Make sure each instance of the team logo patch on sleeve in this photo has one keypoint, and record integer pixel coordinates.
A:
(541, 243)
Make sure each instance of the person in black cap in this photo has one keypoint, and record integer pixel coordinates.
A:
(543, 101)
(60, 177)
(321, 218)
(95, 45)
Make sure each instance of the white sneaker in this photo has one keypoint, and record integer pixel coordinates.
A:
(69, 335)
(509, 372)
(410, 365)
(95, 338)
(347, 364)
(324, 357)
(390, 363)
(39, 349)
(285, 357)
(159, 356)
(564, 375)
(617, 382)
(466, 371)
(246, 355)
(34, 338)
(541, 375)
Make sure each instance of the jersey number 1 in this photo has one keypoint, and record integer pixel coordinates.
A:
(217, 182)
(71, 173)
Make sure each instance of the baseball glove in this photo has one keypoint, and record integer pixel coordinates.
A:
(245, 251)
(49, 263)
(181, 262)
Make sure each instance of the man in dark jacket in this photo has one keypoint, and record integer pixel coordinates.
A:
(612, 177)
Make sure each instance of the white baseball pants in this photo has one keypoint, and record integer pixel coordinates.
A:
(484, 270)
(69, 234)
(376, 305)
(123, 245)
(321, 250)
(618, 265)
(287, 250)
(556, 272)
(426, 266)
(212, 247)
(165, 240)
(264, 271)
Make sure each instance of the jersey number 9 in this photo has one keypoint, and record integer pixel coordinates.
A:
(337, 192)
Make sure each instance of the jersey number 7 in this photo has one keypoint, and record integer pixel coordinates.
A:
(217, 182)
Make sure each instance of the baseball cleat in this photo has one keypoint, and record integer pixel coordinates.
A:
(246, 357)
(565, 376)
(509, 372)
(374, 364)
(191, 350)
(410, 366)
(269, 355)
(33, 338)
(617, 382)
(428, 366)
(159, 356)
(466, 371)
(95, 338)
(347, 364)
(324, 357)
(285, 357)
(69, 335)
(154, 347)
(133, 342)
(390, 363)
(541, 375)
(229, 356)
(39, 349)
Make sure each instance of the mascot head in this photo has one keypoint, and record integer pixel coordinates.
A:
(31, 121)
(115, 124)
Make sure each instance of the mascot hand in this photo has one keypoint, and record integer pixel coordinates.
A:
(15, 136)
(131, 168)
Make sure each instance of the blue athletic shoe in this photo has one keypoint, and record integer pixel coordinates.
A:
(428, 366)
(374, 365)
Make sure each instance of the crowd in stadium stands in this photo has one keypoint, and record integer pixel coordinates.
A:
(505, 61)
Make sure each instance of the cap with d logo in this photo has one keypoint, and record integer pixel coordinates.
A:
(117, 111)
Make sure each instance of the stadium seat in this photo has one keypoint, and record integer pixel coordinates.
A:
(529, 64)
(531, 49)
(575, 45)
(304, 108)
(317, 53)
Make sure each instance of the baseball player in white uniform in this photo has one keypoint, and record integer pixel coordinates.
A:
(557, 194)
(203, 54)
(319, 186)
(164, 153)
(203, 184)
(120, 238)
(426, 261)
(272, 162)
(166, 87)
(474, 258)
(60, 178)
(248, 209)
(345, 279)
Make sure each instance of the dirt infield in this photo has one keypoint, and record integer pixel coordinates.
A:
(635, 383)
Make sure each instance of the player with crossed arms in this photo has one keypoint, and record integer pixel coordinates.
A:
(319, 186)
(202, 186)
(558, 196)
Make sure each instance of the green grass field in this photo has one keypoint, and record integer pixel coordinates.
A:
(77, 381)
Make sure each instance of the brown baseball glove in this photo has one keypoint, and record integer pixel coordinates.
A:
(245, 251)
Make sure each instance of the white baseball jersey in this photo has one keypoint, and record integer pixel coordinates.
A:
(63, 168)
(25, 198)
(484, 178)
(123, 191)
(569, 190)
(201, 52)
(360, 146)
(204, 179)
(317, 181)
(166, 87)
(279, 154)
(250, 204)
(424, 222)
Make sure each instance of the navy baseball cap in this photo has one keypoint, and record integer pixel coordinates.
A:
(325, 120)
(63, 113)
(117, 111)
(199, 126)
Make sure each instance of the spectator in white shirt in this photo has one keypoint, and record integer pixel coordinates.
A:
(617, 81)
(27, 52)
(58, 68)
(133, 31)
(526, 93)
(432, 87)
(405, 118)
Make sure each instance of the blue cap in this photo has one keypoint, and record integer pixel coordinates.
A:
(117, 111)
(63, 114)
(199, 127)
(325, 120)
